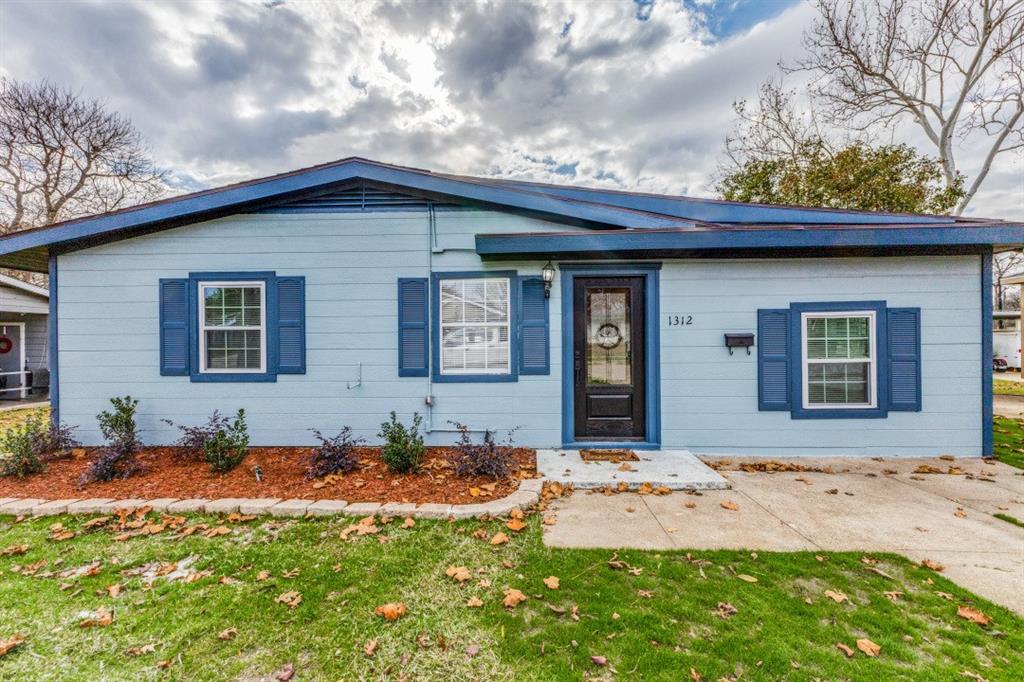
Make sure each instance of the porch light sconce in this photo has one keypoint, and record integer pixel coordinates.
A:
(547, 273)
(739, 341)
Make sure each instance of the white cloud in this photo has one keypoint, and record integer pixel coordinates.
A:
(563, 91)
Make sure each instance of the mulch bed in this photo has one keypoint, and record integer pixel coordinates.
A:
(284, 475)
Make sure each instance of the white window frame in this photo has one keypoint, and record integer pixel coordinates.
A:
(871, 359)
(203, 327)
(507, 370)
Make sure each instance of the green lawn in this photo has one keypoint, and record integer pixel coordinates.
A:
(1006, 387)
(1008, 439)
(655, 622)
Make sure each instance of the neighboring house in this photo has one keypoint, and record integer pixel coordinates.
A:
(24, 359)
(332, 295)
(1006, 338)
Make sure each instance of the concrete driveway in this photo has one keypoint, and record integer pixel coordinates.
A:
(943, 517)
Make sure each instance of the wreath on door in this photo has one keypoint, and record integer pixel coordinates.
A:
(608, 336)
(6, 344)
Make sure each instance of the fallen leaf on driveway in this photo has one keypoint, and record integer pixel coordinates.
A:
(934, 565)
(837, 597)
(730, 505)
(625, 466)
(960, 513)
(973, 615)
(10, 644)
(513, 598)
(868, 647)
(552, 582)
(391, 611)
(845, 649)
(549, 520)
(291, 599)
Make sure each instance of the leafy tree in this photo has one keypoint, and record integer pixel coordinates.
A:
(856, 176)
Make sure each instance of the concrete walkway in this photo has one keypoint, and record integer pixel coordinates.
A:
(672, 469)
(910, 514)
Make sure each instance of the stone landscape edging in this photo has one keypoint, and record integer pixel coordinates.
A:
(528, 494)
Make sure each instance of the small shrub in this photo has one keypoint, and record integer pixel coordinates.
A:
(193, 439)
(334, 455)
(403, 446)
(117, 458)
(486, 458)
(227, 446)
(31, 444)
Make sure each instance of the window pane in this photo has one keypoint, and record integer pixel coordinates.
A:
(816, 349)
(232, 306)
(838, 383)
(815, 328)
(233, 349)
(475, 326)
(858, 327)
(836, 327)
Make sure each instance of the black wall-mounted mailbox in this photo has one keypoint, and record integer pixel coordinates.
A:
(739, 341)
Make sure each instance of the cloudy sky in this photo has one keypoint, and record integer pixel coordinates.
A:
(631, 95)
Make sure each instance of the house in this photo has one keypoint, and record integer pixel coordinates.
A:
(24, 359)
(331, 295)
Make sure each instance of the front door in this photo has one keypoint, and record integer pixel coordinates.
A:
(608, 358)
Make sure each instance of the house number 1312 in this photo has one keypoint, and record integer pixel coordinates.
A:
(680, 320)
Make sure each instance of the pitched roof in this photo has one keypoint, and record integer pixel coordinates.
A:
(598, 209)
(21, 285)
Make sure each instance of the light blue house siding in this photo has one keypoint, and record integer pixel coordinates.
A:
(109, 337)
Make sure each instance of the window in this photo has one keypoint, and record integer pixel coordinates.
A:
(232, 327)
(475, 325)
(839, 360)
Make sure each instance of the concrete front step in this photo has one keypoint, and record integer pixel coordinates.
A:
(672, 469)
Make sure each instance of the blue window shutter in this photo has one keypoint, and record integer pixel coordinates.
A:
(291, 325)
(773, 360)
(904, 361)
(534, 353)
(413, 313)
(174, 327)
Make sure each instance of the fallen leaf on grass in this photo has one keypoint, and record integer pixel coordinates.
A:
(934, 565)
(845, 649)
(837, 597)
(285, 673)
(694, 675)
(235, 517)
(58, 533)
(216, 531)
(599, 661)
(141, 650)
(868, 647)
(973, 615)
(515, 525)
(458, 573)
(291, 599)
(513, 598)
(730, 505)
(474, 603)
(113, 590)
(726, 610)
(370, 648)
(746, 578)
(263, 575)
(13, 550)
(391, 611)
(552, 582)
(290, 574)
(227, 634)
(893, 595)
(472, 650)
(499, 538)
(10, 644)
(102, 618)
(409, 522)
